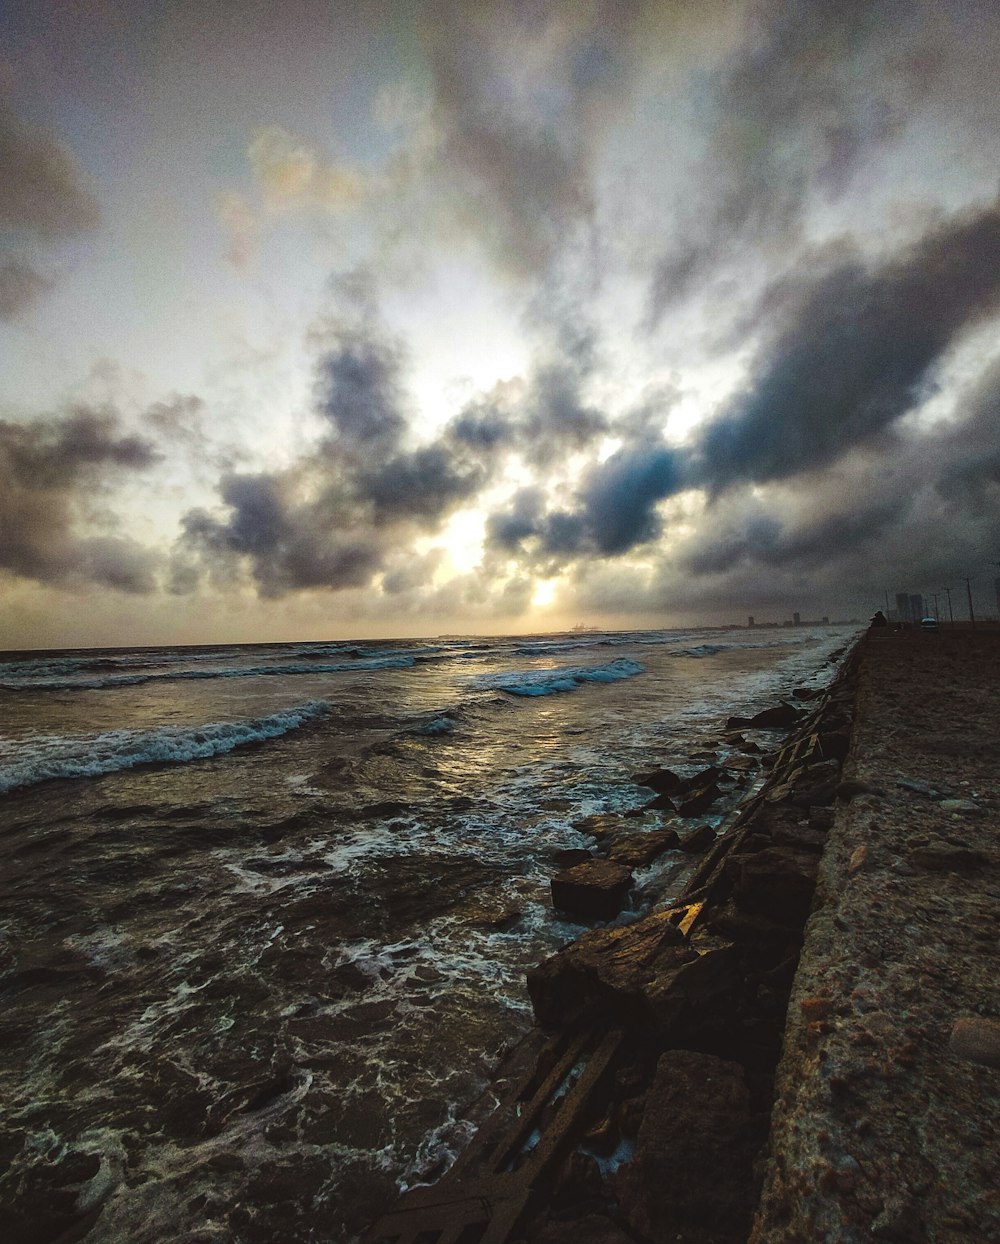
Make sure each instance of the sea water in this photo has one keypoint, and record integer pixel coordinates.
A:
(268, 909)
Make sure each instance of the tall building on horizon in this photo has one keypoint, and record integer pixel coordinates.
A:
(916, 608)
(902, 607)
(996, 588)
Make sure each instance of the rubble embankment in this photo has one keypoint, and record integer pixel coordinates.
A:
(645, 1115)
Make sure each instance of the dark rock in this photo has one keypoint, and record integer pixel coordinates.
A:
(639, 849)
(781, 716)
(806, 693)
(835, 744)
(740, 764)
(699, 801)
(699, 780)
(737, 723)
(691, 1177)
(566, 857)
(749, 748)
(644, 973)
(663, 781)
(816, 785)
(661, 803)
(698, 840)
(595, 889)
(748, 928)
(590, 1229)
(600, 826)
(941, 856)
(777, 883)
(851, 788)
(821, 819)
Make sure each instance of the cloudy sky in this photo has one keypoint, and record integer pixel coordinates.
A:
(323, 318)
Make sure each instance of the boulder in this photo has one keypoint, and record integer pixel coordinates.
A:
(600, 826)
(590, 1229)
(835, 744)
(697, 781)
(698, 840)
(780, 717)
(643, 973)
(777, 883)
(691, 1177)
(741, 764)
(699, 801)
(663, 781)
(595, 890)
(566, 857)
(640, 849)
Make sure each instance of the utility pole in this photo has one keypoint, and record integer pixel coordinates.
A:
(968, 590)
(951, 612)
(887, 604)
(937, 616)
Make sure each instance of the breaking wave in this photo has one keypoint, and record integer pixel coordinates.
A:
(551, 681)
(75, 756)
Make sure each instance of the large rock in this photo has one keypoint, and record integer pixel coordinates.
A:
(777, 882)
(643, 973)
(699, 801)
(640, 849)
(595, 889)
(781, 716)
(663, 781)
(691, 1178)
(698, 840)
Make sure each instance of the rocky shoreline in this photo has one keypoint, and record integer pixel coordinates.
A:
(640, 1107)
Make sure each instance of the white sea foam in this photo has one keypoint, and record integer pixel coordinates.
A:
(564, 678)
(90, 755)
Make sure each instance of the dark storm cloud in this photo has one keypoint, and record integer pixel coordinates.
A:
(358, 389)
(620, 496)
(424, 484)
(853, 351)
(810, 93)
(41, 191)
(614, 511)
(20, 288)
(849, 352)
(43, 200)
(289, 544)
(334, 516)
(50, 470)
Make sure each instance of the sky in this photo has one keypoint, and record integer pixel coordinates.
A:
(403, 317)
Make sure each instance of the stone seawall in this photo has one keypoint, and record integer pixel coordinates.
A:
(640, 1107)
(888, 1094)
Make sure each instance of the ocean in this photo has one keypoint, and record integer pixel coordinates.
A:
(267, 910)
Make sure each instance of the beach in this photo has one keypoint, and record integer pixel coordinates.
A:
(269, 911)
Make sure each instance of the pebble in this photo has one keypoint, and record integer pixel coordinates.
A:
(958, 805)
(977, 1040)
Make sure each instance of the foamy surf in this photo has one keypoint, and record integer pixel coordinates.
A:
(552, 681)
(55, 756)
